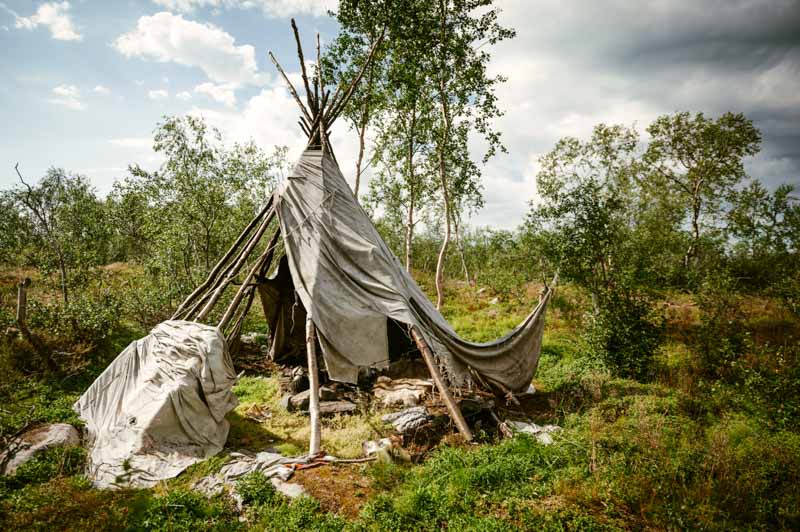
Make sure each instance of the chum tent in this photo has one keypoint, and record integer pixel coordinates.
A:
(336, 274)
(348, 282)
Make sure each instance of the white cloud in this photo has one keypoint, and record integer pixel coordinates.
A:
(54, 16)
(270, 119)
(68, 96)
(184, 95)
(158, 94)
(271, 8)
(223, 93)
(132, 142)
(101, 89)
(165, 37)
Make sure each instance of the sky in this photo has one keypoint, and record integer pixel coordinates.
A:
(84, 83)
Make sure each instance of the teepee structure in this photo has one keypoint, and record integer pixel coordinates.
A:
(360, 304)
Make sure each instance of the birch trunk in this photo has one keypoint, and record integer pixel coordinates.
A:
(444, 143)
(313, 397)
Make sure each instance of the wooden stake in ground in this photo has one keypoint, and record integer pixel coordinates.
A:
(313, 385)
(449, 402)
(22, 303)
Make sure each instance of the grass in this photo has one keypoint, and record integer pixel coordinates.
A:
(682, 451)
(288, 432)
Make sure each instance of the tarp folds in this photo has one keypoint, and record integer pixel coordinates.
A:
(350, 282)
(160, 406)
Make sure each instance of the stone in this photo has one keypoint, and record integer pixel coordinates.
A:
(494, 301)
(403, 392)
(542, 433)
(34, 441)
(329, 408)
(286, 402)
(371, 447)
(253, 338)
(327, 394)
(289, 490)
(408, 420)
(299, 383)
(300, 401)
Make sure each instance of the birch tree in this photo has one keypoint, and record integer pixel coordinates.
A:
(464, 92)
(700, 160)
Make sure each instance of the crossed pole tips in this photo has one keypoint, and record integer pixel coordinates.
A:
(320, 110)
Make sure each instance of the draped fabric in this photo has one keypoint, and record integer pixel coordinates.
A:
(160, 406)
(351, 283)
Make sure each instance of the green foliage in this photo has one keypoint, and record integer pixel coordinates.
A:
(455, 485)
(256, 489)
(269, 510)
(700, 161)
(85, 319)
(61, 226)
(179, 219)
(29, 401)
(625, 333)
(503, 260)
(720, 338)
(386, 475)
(303, 513)
(183, 510)
(14, 228)
(49, 464)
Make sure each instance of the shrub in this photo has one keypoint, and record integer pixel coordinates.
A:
(720, 339)
(148, 300)
(184, 510)
(28, 401)
(256, 489)
(86, 319)
(303, 513)
(625, 333)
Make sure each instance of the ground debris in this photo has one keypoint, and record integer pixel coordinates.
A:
(542, 433)
(408, 419)
(404, 392)
(279, 469)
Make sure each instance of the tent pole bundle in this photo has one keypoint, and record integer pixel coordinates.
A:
(350, 284)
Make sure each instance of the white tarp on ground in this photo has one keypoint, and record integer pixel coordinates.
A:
(160, 406)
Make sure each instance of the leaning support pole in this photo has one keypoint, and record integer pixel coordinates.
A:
(452, 408)
(234, 269)
(218, 267)
(313, 381)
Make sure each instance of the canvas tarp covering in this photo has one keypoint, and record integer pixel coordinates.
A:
(160, 406)
(350, 283)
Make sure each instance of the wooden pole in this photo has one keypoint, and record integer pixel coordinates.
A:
(22, 303)
(218, 267)
(261, 267)
(449, 402)
(234, 269)
(313, 104)
(245, 286)
(313, 381)
(291, 87)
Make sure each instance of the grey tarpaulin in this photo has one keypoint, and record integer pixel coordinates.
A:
(160, 406)
(350, 282)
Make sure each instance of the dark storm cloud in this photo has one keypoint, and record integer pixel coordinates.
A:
(577, 63)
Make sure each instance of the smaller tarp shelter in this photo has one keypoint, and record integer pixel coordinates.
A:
(160, 406)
